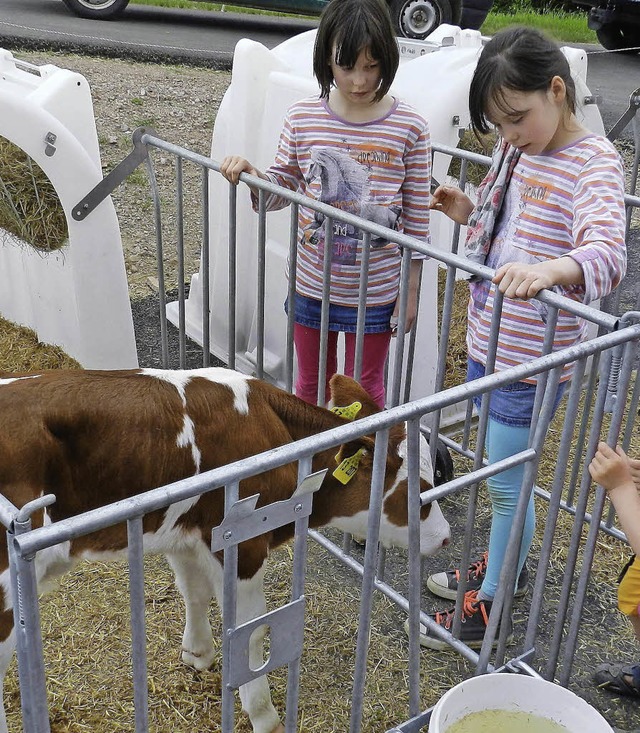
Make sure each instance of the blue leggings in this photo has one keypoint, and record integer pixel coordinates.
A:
(504, 490)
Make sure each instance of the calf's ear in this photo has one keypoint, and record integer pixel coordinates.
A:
(345, 391)
(351, 457)
(396, 435)
(365, 444)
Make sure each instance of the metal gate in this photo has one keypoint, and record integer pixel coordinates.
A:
(602, 401)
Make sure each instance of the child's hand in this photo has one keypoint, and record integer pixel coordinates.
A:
(233, 165)
(524, 281)
(409, 320)
(518, 280)
(412, 300)
(453, 202)
(611, 468)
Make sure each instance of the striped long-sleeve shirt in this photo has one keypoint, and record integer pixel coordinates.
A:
(379, 170)
(567, 203)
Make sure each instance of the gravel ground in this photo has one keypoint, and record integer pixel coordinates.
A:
(180, 103)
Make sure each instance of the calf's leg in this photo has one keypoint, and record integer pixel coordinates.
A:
(197, 575)
(255, 695)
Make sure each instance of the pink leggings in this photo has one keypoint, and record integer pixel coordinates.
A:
(374, 356)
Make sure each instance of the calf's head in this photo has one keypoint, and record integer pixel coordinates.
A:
(353, 506)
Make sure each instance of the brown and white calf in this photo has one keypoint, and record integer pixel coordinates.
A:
(92, 438)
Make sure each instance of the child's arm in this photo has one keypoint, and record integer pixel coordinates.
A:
(634, 466)
(519, 280)
(412, 301)
(612, 470)
(233, 165)
(453, 202)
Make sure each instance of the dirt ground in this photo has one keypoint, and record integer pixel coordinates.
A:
(180, 103)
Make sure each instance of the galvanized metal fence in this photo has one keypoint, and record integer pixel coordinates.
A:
(602, 400)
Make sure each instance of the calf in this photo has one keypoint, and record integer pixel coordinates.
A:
(93, 438)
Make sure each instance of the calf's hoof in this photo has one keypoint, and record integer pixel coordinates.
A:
(201, 662)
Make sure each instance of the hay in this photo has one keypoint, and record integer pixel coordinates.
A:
(29, 205)
(22, 352)
(482, 145)
(87, 636)
(456, 359)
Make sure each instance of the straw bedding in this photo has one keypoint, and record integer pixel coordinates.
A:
(85, 624)
(87, 637)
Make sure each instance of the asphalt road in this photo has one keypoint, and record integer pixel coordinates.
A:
(613, 78)
(143, 32)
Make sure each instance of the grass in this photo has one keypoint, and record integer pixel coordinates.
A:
(564, 27)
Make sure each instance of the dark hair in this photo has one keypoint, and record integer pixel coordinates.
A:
(353, 26)
(520, 59)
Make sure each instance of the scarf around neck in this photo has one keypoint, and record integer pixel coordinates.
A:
(491, 193)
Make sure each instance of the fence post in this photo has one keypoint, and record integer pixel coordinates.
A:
(26, 614)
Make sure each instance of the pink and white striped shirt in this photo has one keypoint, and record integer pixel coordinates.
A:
(379, 170)
(567, 203)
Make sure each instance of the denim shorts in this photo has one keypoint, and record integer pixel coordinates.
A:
(341, 317)
(513, 403)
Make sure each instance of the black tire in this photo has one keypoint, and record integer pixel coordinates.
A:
(474, 13)
(97, 9)
(619, 37)
(419, 18)
(443, 469)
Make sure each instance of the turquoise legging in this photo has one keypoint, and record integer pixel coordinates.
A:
(504, 489)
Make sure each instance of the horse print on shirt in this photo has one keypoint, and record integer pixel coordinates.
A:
(345, 184)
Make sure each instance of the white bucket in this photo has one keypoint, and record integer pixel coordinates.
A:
(516, 692)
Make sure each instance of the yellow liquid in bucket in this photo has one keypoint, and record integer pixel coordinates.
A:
(497, 721)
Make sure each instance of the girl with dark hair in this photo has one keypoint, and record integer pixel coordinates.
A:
(550, 214)
(360, 149)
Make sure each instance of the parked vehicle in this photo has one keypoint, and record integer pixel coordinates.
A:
(412, 18)
(474, 13)
(616, 23)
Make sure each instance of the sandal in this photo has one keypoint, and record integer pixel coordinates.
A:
(613, 678)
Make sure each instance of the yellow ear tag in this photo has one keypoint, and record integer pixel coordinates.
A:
(347, 468)
(349, 412)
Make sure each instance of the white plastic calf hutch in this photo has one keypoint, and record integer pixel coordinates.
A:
(75, 297)
(434, 76)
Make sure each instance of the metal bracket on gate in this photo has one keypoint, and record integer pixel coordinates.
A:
(286, 633)
(243, 521)
(634, 104)
(110, 182)
(615, 365)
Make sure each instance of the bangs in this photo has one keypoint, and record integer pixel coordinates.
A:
(349, 44)
(347, 51)
(488, 89)
(498, 101)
